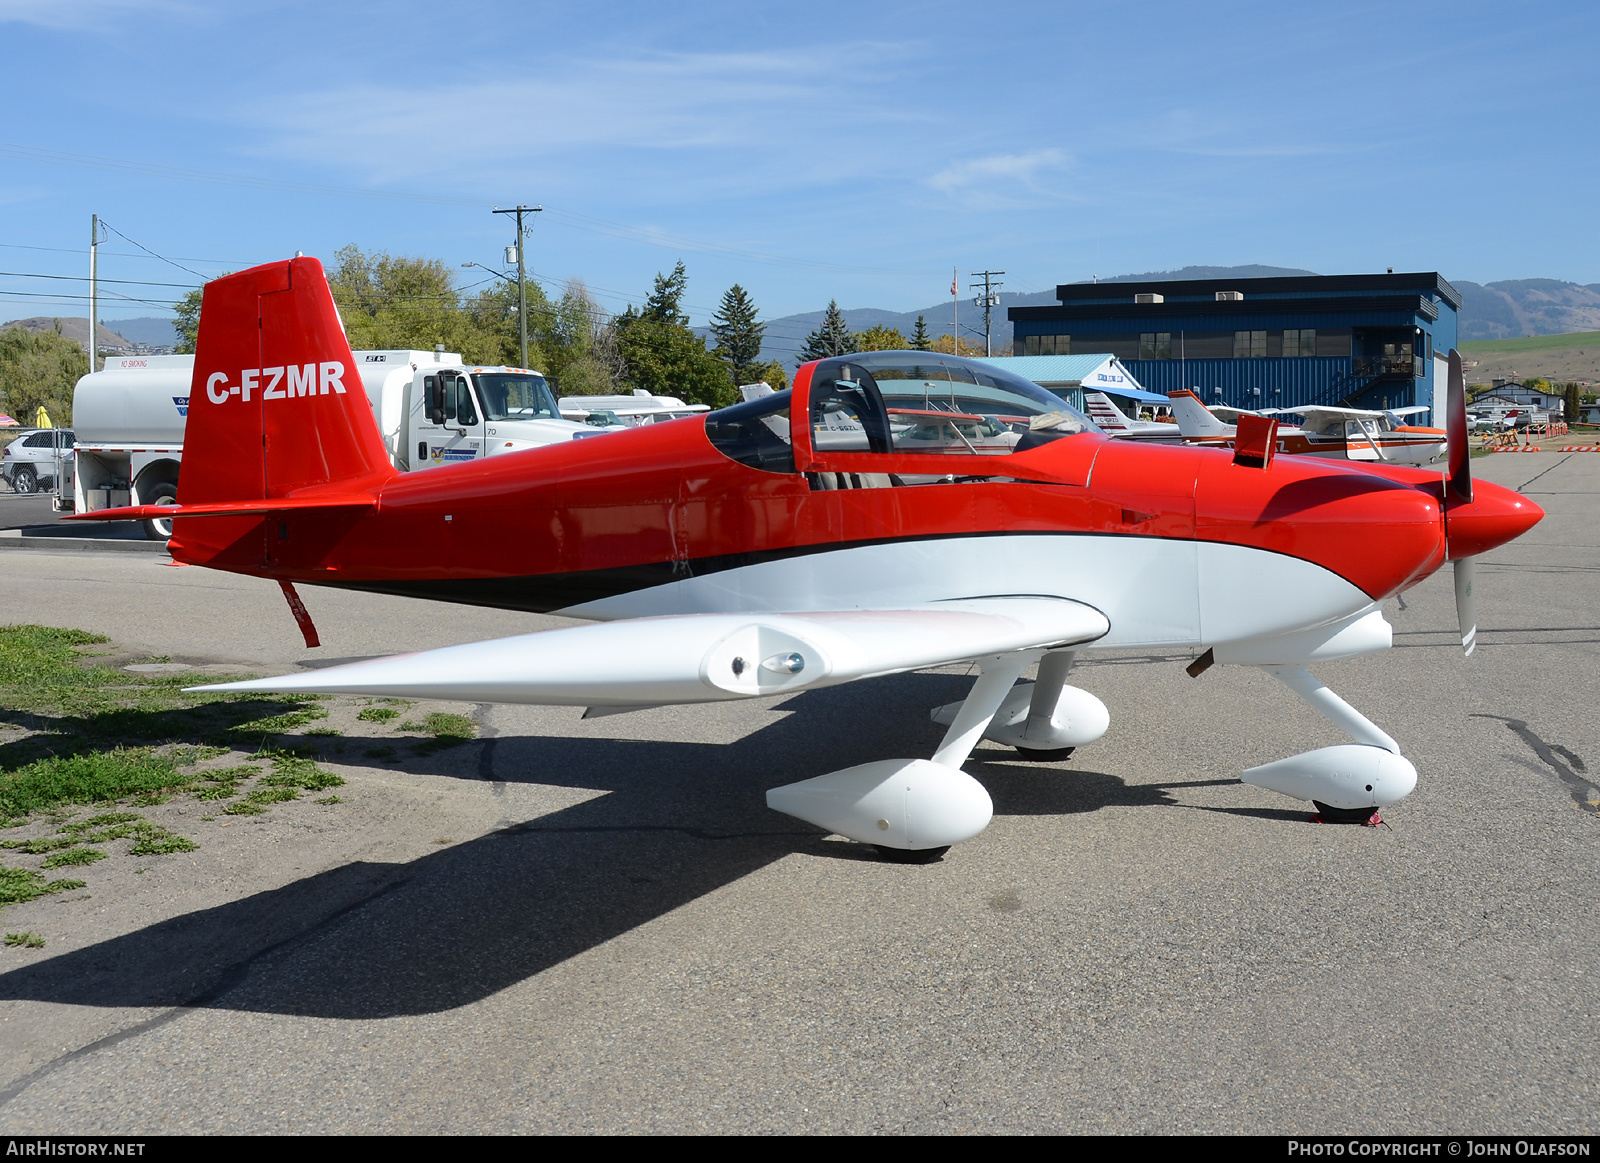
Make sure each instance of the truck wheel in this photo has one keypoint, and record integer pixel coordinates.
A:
(160, 528)
(24, 479)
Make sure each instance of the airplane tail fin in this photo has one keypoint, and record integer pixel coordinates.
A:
(1194, 418)
(1106, 414)
(277, 406)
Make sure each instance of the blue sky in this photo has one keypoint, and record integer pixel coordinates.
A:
(815, 151)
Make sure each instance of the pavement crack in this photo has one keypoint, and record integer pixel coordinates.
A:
(1568, 766)
(229, 978)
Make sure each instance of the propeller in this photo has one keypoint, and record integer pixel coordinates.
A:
(1458, 487)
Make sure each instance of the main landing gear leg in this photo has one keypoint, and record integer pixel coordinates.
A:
(1349, 782)
(913, 810)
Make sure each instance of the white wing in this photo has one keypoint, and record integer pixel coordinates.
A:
(697, 658)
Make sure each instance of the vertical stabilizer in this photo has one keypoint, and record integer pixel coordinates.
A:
(276, 403)
(1194, 418)
(1106, 414)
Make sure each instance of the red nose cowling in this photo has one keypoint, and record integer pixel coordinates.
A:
(1494, 516)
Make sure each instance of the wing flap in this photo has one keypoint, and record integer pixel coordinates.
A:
(697, 658)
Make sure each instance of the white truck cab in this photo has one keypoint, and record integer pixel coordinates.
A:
(433, 409)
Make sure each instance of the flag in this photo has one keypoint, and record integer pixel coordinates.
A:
(953, 291)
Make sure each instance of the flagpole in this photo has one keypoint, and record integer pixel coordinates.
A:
(955, 305)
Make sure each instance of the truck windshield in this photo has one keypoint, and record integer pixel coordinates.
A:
(512, 396)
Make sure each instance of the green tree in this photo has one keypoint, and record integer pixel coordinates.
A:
(919, 337)
(401, 302)
(187, 323)
(579, 342)
(40, 369)
(658, 353)
(772, 374)
(663, 304)
(881, 339)
(738, 334)
(832, 338)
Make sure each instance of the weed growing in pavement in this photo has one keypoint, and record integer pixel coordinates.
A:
(243, 808)
(75, 856)
(378, 714)
(328, 801)
(23, 884)
(447, 730)
(26, 940)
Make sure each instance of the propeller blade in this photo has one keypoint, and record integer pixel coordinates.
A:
(1455, 424)
(1466, 604)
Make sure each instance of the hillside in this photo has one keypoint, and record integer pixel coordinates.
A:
(76, 330)
(1522, 307)
(1555, 357)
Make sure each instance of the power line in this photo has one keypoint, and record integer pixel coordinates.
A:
(148, 251)
(85, 279)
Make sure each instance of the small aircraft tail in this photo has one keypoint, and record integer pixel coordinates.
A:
(278, 419)
(1106, 414)
(277, 404)
(1194, 418)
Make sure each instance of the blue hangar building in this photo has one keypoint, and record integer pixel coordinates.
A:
(1361, 341)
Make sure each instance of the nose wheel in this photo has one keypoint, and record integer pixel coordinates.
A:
(911, 855)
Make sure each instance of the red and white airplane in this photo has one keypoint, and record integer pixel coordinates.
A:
(1345, 433)
(734, 555)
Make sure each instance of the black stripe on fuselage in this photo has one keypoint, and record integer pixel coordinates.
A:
(547, 592)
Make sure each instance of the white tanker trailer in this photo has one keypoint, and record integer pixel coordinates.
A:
(431, 409)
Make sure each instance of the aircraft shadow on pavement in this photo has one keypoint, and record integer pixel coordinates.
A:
(680, 820)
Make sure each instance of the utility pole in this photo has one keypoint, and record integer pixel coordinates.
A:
(94, 289)
(522, 277)
(989, 300)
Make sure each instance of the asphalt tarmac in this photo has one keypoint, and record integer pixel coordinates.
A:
(598, 926)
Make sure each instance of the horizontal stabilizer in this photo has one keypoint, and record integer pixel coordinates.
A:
(230, 508)
(697, 658)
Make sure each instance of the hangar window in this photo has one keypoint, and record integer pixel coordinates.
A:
(1155, 345)
(1249, 345)
(1048, 345)
(1299, 343)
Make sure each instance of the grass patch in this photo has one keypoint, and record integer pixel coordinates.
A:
(324, 731)
(271, 795)
(447, 730)
(243, 808)
(279, 724)
(295, 772)
(22, 884)
(329, 801)
(86, 779)
(378, 714)
(157, 841)
(75, 856)
(42, 844)
(25, 940)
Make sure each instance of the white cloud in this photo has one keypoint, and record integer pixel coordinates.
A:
(780, 108)
(1006, 180)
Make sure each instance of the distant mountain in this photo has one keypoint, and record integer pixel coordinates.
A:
(153, 331)
(1516, 307)
(76, 330)
(1248, 271)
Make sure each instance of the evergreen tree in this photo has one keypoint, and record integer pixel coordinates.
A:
(663, 304)
(738, 335)
(919, 337)
(834, 337)
(658, 353)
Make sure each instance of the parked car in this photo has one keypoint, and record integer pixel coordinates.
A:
(32, 460)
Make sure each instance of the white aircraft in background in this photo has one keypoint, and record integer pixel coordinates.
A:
(1345, 433)
(1114, 422)
(629, 411)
